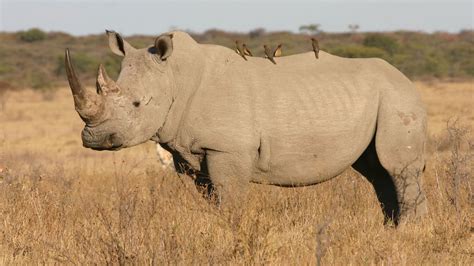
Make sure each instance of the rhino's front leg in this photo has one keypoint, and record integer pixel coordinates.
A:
(230, 176)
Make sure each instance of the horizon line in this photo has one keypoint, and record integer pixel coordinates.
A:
(461, 30)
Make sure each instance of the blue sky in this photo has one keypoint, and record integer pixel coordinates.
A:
(153, 17)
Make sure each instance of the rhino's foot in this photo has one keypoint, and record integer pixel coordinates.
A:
(413, 205)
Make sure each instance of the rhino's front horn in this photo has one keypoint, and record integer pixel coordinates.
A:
(105, 85)
(89, 104)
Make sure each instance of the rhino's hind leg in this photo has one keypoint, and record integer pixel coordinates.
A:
(400, 142)
(369, 166)
(398, 190)
(396, 180)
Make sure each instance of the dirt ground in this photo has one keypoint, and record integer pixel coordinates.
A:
(60, 202)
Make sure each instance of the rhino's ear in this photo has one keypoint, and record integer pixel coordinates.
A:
(164, 46)
(117, 44)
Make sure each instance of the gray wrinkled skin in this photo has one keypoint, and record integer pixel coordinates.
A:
(300, 122)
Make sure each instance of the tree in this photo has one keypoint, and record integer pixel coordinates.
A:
(258, 32)
(353, 28)
(313, 29)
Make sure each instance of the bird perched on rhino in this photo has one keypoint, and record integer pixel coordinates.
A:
(277, 52)
(246, 50)
(269, 53)
(239, 50)
(315, 44)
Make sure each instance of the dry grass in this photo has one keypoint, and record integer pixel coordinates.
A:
(61, 203)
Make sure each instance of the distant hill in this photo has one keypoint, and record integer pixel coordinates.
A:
(35, 59)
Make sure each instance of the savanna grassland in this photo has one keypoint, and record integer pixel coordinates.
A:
(62, 203)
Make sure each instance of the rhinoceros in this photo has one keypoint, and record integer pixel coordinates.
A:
(233, 122)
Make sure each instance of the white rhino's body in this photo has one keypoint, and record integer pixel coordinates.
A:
(308, 123)
(299, 122)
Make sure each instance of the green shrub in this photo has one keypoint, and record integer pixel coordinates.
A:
(5, 69)
(83, 63)
(38, 81)
(407, 64)
(86, 65)
(435, 65)
(381, 41)
(32, 35)
(113, 63)
(460, 57)
(357, 51)
(422, 63)
(468, 67)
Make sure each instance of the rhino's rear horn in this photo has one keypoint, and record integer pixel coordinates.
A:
(105, 84)
(88, 103)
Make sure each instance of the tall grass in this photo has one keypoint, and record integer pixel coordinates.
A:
(60, 203)
(134, 214)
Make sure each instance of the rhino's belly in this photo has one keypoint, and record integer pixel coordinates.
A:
(310, 159)
(301, 169)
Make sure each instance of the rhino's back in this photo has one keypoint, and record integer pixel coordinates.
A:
(299, 94)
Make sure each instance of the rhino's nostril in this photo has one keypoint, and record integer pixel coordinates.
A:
(113, 141)
(109, 141)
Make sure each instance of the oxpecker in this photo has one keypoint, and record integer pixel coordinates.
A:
(315, 47)
(277, 52)
(269, 54)
(239, 50)
(246, 50)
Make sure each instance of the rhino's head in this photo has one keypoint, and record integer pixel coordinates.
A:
(131, 110)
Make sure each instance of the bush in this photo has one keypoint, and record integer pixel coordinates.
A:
(86, 66)
(113, 63)
(5, 69)
(418, 61)
(468, 68)
(32, 35)
(383, 42)
(357, 51)
(460, 57)
(81, 61)
(39, 81)
(435, 65)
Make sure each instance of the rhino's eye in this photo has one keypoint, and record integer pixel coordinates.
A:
(136, 103)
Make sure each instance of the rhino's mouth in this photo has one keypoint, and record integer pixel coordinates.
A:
(110, 142)
(104, 148)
